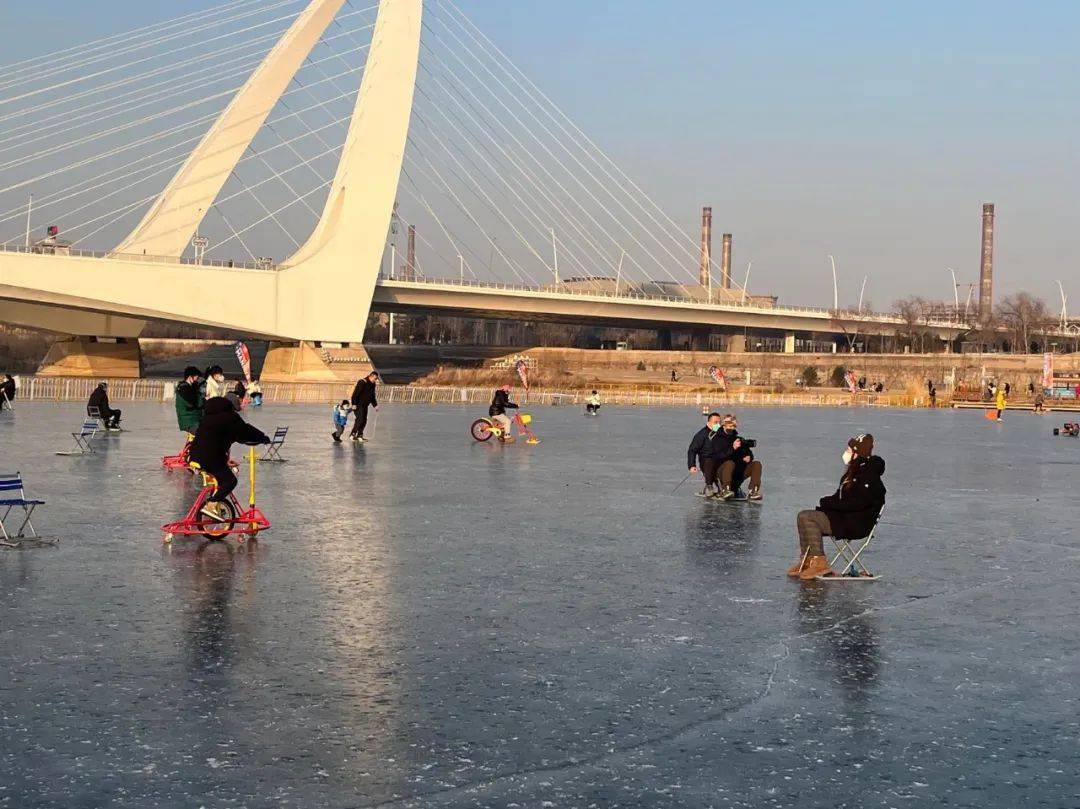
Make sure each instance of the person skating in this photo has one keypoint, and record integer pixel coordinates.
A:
(99, 399)
(500, 403)
(704, 453)
(7, 391)
(737, 462)
(341, 418)
(255, 391)
(850, 513)
(220, 428)
(1000, 403)
(1040, 402)
(592, 404)
(189, 401)
(363, 397)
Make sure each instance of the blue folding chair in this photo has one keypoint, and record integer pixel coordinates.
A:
(273, 450)
(13, 496)
(83, 436)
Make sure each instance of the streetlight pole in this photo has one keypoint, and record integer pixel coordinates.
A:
(393, 263)
(955, 293)
(835, 292)
(461, 267)
(29, 208)
(555, 254)
(746, 281)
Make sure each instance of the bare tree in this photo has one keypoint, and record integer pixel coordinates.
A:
(912, 311)
(1022, 313)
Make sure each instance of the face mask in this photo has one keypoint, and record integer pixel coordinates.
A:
(847, 456)
(219, 377)
(714, 427)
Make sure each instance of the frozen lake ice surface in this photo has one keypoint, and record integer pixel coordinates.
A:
(433, 622)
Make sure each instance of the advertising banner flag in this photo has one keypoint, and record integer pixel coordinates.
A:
(244, 357)
(852, 381)
(718, 377)
(523, 372)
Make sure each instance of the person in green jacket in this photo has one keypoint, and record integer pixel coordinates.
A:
(189, 401)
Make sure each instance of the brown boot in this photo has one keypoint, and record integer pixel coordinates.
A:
(815, 566)
(797, 568)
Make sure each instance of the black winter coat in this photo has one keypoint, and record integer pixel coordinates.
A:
(364, 394)
(8, 387)
(708, 444)
(855, 506)
(220, 428)
(500, 403)
(99, 398)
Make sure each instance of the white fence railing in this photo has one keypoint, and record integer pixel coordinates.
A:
(69, 389)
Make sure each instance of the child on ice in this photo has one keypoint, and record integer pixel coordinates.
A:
(341, 418)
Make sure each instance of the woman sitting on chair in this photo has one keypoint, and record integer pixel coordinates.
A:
(848, 514)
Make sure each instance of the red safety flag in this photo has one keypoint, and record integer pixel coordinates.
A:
(244, 357)
(718, 377)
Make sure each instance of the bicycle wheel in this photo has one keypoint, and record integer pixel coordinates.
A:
(481, 429)
(216, 529)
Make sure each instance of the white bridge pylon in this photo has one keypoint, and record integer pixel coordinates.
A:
(324, 290)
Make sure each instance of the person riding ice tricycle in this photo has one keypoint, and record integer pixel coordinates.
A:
(499, 424)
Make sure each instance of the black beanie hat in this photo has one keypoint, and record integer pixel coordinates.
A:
(863, 445)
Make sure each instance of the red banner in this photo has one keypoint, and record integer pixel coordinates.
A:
(244, 358)
(852, 381)
(523, 372)
(718, 377)
(1048, 371)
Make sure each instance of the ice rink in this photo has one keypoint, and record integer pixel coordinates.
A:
(434, 622)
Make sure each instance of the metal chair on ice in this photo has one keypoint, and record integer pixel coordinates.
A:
(273, 450)
(13, 498)
(851, 551)
(83, 436)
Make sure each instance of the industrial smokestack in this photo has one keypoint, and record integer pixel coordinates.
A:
(986, 267)
(725, 262)
(410, 255)
(705, 270)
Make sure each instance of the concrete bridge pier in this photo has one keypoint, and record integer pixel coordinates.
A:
(734, 343)
(98, 357)
(315, 362)
(789, 342)
(699, 339)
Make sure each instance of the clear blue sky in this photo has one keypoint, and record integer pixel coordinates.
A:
(873, 131)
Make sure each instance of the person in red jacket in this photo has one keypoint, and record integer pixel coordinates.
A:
(849, 513)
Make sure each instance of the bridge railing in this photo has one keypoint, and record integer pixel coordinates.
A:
(65, 250)
(850, 315)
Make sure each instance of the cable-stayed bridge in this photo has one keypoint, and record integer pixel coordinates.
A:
(279, 167)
